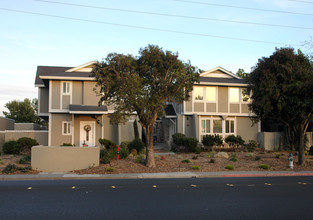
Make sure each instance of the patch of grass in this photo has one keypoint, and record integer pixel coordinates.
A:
(185, 161)
(229, 167)
(109, 169)
(262, 152)
(257, 158)
(180, 157)
(11, 168)
(250, 154)
(234, 159)
(278, 156)
(265, 166)
(141, 158)
(195, 167)
(212, 160)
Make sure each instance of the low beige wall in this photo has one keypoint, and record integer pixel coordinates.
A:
(63, 159)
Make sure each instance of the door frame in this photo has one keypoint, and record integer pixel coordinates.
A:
(92, 135)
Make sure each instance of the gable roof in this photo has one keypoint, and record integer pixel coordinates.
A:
(219, 72)
(61, 73)
(87, 67)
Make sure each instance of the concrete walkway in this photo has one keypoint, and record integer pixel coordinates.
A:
(67, 176)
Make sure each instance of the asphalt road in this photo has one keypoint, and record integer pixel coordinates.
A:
(205, 198)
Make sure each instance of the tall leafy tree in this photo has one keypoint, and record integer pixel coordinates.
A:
(143, 85)
(22, 111)
(241, 73)
(282, 88)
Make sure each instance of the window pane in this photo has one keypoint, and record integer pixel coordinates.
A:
(68, 128)
(64, 128)
(245, 95)
(67, 87)
(64, 87)
(207, 130)
(232, 126)
(234, 95)
(227, 126)
(211, 94)
(202, 126)
(198, 93)
(217, 126)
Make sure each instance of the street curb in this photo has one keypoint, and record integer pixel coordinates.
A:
(172, 175)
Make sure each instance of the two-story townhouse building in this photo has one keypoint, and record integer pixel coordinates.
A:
(66, 98)
(218, 105)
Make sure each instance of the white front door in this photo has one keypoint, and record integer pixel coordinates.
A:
(87, 133)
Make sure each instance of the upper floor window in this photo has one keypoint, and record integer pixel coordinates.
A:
(66, 88)
(233, 94)
(205, 93)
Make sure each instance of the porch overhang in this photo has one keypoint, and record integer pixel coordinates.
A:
(88, 109)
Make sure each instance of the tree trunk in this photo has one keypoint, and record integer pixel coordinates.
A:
(301, 148)
(150, 162)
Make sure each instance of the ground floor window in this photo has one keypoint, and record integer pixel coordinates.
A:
(66, 128)
(217, 126)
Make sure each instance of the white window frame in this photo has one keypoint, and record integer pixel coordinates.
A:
(68, 89)
(204, 94)
(68, 128)
(230, 132)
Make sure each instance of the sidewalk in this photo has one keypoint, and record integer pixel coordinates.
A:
(71, 176)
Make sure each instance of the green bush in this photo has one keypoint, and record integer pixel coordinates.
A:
(26, 144)
(257, 158)
(125, 144)
(11, 147)
(141, 158)
(109, 169)
(264, 166)
(229, 167)
(252, 145)
(178, 139)
(185, 161)
(24, 160)
(233, 140)
(136, 133)
(234, 159)
(195, 167)
(106, 143)
(104, 156)
(124, 152)
(136, 144)
(10, 168)
(191, 144)
(198, 150)
(212, 160)
(212, 140)
(311, 151)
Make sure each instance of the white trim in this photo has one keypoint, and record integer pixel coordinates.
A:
(67, 93)
(59, 110)
(39, 85)
(102, 127)
(223, 84)
(81, 66)
(219, 114)
(183, 124)
(222, 70)
(170, 116)
(69, 78)
(73, 130)
(43, 114)
(24, 131)
(49, 128)
(50, 95)
(94, 132)
(38, 103)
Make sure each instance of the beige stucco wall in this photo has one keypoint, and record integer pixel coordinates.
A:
(234, 108)
(198, 107)
(245, 108)
(55, 123)
(2, 138)
(77, 93)
(27, 126)
(244, 129)
(211, 107)
(6, 124)
(90, 97)
(222, 99)
(63, 159)
(44, 100)
(55, 93)
(188, 106)
(180, 123)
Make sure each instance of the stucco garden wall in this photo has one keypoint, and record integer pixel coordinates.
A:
(63, 159)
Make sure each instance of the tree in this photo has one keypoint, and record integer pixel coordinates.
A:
(282, 88)
(242, 74)
(22, 111)
(143, 85)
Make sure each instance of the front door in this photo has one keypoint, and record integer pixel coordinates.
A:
(87, 133)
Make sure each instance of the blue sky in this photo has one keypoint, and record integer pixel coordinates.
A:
(28, 39)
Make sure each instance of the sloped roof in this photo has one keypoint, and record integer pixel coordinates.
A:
(222, 71)
(222, 80)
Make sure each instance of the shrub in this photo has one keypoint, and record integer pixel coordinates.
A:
(125, 144)
(233, 140)
(109, 169)
(257, 158)
(234, 159)
(277, 156)
(10, 168)
(24, 160)
(250, 154)
(191, 144)
(212, 140)
(198, 150)
(26, 144)
(104, 157)
(134, 152)
(106, 143)
(185, 161)
(178, 139)
(67, 145)
(252, 145)
(141, 158)
(124, 152)
(11, 147)
(212, 161)
(195, 167)
(311, 151)
(264, 166)
(136, 144)
(229, 167)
